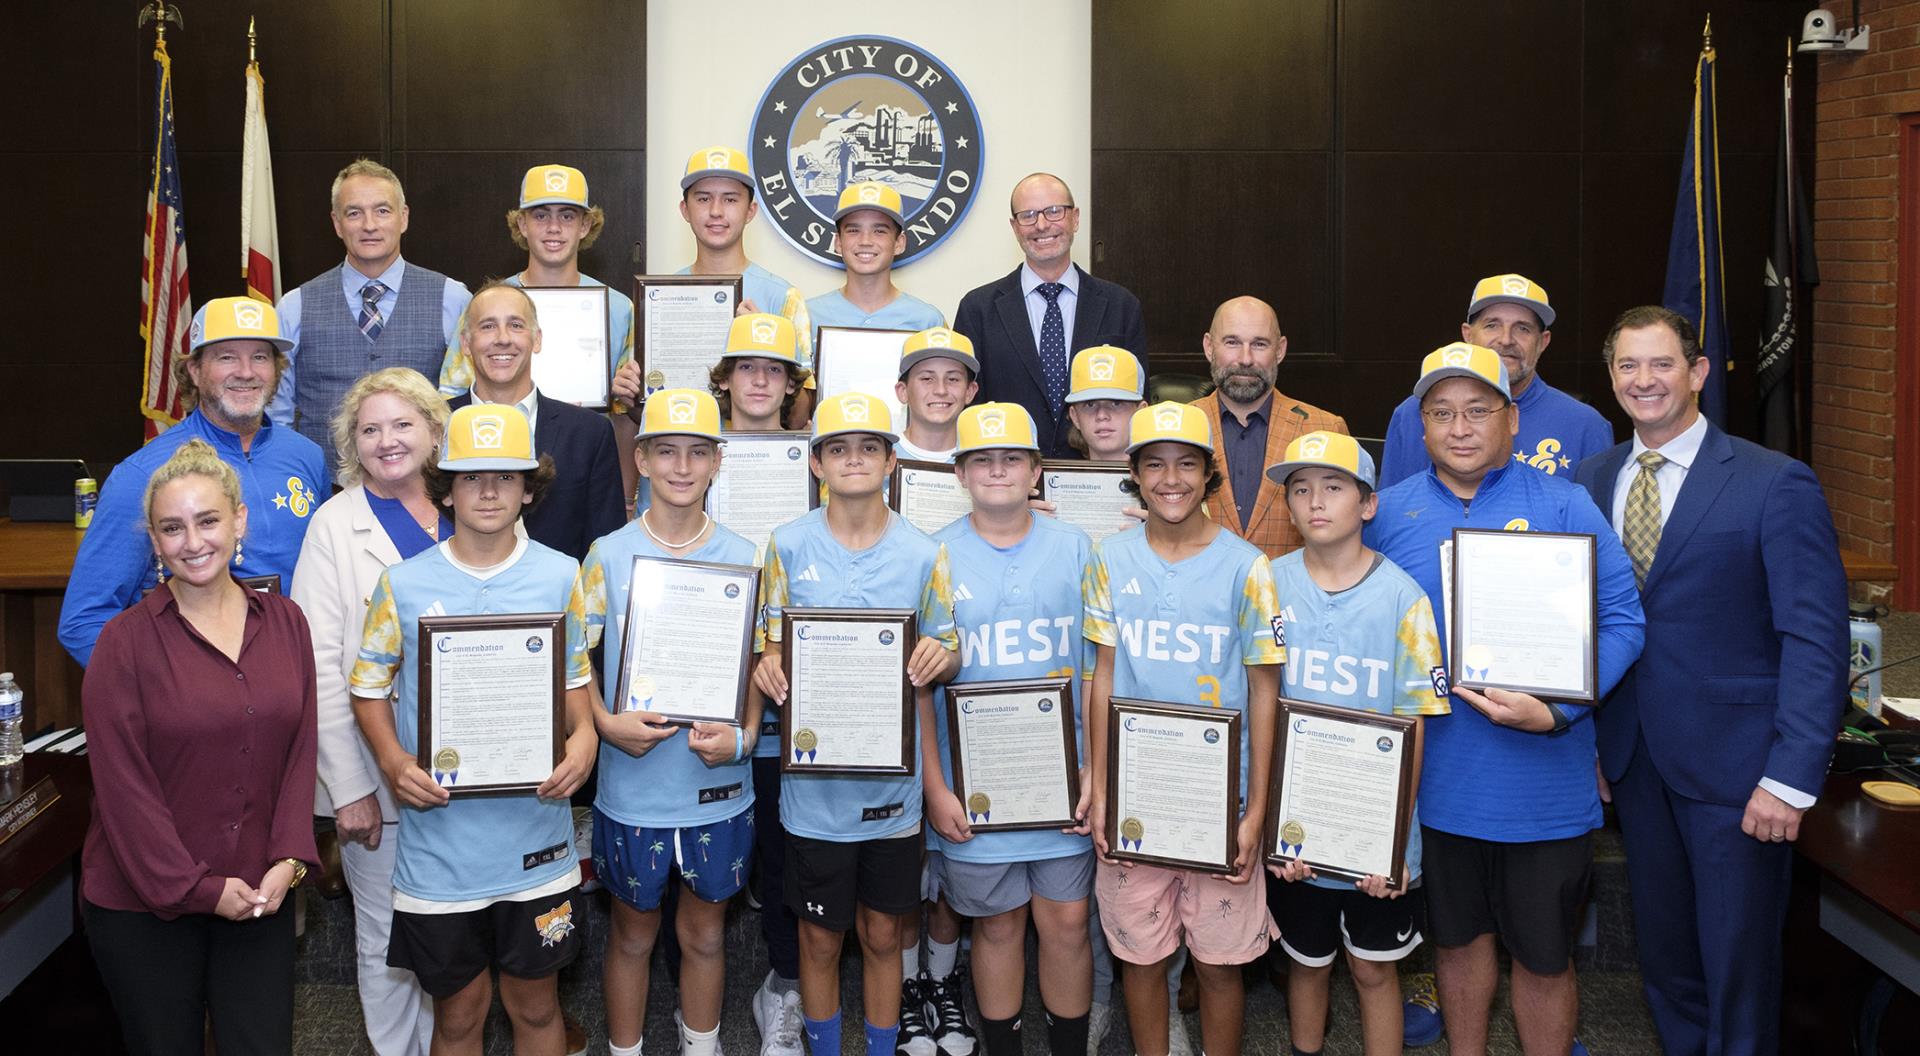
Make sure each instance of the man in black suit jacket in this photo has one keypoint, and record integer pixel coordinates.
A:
(1010, 319)
(500, 334)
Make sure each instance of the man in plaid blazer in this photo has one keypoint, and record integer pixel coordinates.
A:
(1244, 348)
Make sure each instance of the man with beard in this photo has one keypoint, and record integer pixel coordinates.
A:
(1253, 422)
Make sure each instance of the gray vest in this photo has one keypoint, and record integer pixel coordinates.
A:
(333, 353)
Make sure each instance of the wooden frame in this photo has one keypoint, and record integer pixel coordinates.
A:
(426, 753)
(1231, 724)
(1408, 727)
(796, 738)
(897, 489)
(1060, 690)
(1457, 668)
(603, 368)
(746, 580)
(640, 351)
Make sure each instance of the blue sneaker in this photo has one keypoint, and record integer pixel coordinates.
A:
(1422, 1013)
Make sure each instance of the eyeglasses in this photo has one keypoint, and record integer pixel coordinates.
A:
(1030, 217)
(1446, 415)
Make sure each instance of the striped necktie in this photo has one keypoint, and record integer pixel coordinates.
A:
(1640, 525)
(370, 319)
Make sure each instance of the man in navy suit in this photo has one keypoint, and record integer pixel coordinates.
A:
(1717, 741)
(1026, 326)
(500, 334)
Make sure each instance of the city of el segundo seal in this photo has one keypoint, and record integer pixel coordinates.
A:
(865, 108)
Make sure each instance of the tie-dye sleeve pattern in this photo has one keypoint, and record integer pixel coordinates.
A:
(1096, 597)
(593, 587)
(1259, 615)
(456, 371)
(381, 647)
(796, 310)
(579, 655)
(936, 603)
(1417, 665)
(773, 598)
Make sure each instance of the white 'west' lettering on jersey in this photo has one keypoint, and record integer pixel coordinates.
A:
(1149, 639)
(1311, 667)
(1002, 644)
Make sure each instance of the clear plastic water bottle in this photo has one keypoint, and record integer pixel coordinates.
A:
(10, 706)
(1865, 657)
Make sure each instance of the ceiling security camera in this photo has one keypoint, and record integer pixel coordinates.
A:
(1820, 31)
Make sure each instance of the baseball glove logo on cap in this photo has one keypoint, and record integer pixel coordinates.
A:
(995, 426)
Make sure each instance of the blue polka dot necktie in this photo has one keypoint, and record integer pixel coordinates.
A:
(1053, 347)
(370, 319)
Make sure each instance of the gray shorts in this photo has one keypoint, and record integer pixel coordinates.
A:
(988, 889)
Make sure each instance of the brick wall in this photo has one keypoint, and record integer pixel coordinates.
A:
(1856, 189)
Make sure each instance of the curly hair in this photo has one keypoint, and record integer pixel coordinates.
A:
(439, 483)
(1215, 479)
(722, 372)
(595, 216)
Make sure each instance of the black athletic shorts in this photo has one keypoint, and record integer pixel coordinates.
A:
(1531, 895)
(527, 940)
(827, 880)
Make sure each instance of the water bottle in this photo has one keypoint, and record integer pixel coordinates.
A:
(1864, 654)
(10, 706)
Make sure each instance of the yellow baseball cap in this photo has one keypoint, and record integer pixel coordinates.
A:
(993, 426)
(718, 161)
(680, 412)
(1462, 360)
(870, 195)
(1511, 289)
(553, 185)
(1105, 372)
(938, 343)
(488, 436)
(853, 412)
(1329, 450)
(762, 335)
(235, 319)
(1181, 422)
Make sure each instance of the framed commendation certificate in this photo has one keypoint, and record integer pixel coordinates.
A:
(686, 640)
(1087, 495)
(764, 481)
(1014, 760)
(849, 707)
(1342, 798)
(574, 364)
(928, 494)
(267, 584)
(1524, 614)
(680, 327)
(1173, 784)
(492, 701)
(856, 359)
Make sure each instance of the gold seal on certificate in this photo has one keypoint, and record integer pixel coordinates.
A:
(1087, 495)
(1524, 613)
(492, 701)
(850, 708)
(574, 365)
(687, 639)
(680, 327)
(856, 359)
(764, 481)
(1173, 784)
(1014, 756)
(1343, 787)
(928, 495)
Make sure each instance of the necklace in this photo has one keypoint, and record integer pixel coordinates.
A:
(705, 523)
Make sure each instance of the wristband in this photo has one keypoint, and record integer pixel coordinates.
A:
(1560, 719)
(739, 744)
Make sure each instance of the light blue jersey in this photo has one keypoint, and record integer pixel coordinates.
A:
(774, 295)
(669, 787)
(1020, 616)
(1183, 633)
(806, 566)
(474, 847)
(905, 312)
(1372, 647)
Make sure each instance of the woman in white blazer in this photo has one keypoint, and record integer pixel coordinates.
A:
(388, 426)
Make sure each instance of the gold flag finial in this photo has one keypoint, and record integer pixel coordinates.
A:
(160, 21)
(252, 39)
(1706, 35)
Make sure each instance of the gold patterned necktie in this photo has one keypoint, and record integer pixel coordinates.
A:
(1640, 526)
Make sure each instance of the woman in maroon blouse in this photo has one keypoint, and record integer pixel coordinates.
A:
(199, 708)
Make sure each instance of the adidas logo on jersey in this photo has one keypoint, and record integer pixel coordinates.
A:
(961, 593)
(808, 574)
(1132, 587)
(435, 609)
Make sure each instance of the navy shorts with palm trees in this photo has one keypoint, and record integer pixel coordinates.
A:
(635, 862)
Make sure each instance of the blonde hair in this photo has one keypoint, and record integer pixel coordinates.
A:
(404, 382)
(367, 167)
(190, 392)
(596, 218)
(195, 458)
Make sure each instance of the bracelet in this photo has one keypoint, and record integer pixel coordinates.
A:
(739, 744)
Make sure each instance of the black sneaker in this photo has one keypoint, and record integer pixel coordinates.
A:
(949, 1012)
(914, 1039)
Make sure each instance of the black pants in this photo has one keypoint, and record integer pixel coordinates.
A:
(167, 976)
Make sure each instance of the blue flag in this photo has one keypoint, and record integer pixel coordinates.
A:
(1694, 265)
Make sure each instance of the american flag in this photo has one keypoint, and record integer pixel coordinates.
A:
(166, 311)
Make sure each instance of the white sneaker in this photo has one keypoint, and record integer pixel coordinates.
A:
(1177, 1044)
(778, 1017)
(1099, 1021)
